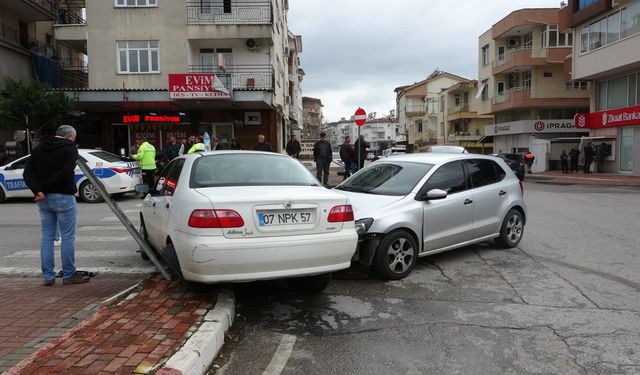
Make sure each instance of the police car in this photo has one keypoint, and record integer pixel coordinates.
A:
(116, 175)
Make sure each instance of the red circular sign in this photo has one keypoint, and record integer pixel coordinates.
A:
(539, 126)
(360, 117)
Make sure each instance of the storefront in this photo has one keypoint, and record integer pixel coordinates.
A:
(623, 127)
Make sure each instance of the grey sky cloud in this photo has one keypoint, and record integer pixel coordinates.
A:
(357, 51)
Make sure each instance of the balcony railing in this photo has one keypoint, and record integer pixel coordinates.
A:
(416, 109)
(464, 107)
(74, 64)
(12, 36)
(206, 12)
(240, 77)
(506, 57)
(69, 16)
(546, 92)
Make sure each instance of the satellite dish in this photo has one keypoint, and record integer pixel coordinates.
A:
(19, 135)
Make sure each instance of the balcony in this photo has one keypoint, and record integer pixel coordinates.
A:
(75, 73)
(24, 43)
(32, 10)
(416, 110)
(71, 29)
(540, 96)
(519, 57)
(206, 12)
(473, 136)
(240, 77)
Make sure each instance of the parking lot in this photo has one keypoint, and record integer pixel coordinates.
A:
(567, 300)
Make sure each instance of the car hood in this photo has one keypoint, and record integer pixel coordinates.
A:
(365, 205)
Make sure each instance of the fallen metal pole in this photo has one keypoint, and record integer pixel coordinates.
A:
(123, 218)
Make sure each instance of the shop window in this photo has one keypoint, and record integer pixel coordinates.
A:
(136, 3)
(138, 57)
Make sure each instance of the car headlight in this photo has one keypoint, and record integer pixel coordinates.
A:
(363, 225)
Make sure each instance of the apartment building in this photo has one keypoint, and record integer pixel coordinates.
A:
(464, 126)
(294, 95)
(312, 118)
(379, 132)
(421, 109)
(523, 84)
(606, 53)
(165, 67)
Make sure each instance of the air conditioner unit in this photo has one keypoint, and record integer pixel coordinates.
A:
(513, 42)
(511, 77)
(251, 43)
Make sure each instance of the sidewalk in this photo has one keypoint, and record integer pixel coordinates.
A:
(135, 333)
(605, 179)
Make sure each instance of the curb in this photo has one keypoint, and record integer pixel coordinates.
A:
(196, 355)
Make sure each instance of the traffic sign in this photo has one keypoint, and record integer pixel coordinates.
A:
(360, 117)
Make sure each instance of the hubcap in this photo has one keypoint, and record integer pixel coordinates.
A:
(514, 228)
(90, 192)
(400, 255)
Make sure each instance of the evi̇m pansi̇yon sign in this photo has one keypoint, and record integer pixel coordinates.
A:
(197, 86)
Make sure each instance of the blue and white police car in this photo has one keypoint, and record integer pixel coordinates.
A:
(117, 176)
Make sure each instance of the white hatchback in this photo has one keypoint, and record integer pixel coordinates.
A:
(236, 216)
(117, 176)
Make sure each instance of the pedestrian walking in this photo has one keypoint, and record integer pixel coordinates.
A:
(235, 144)
(348, 157)
(323, 156)
(262, 144)
(147, 157)
(49, 174)
(172, 149)
(360, 147)
(564, 161)
(528, 160)
(293, 147)
(574, 156)
(601, 154)
(589, 153)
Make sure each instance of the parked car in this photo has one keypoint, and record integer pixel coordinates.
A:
(413, 205)
(447, 149)
(117, 176)
(515, 162)
(236, 216)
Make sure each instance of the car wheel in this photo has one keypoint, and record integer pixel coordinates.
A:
(310, 284)
(143, 234)
(512, 230)
(170, 256)
(397, 255)
(3, 197)
(89, 193)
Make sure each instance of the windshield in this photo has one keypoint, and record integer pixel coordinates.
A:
(383, 178)
(249, 169)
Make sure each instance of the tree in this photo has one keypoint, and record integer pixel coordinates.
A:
(45, 108)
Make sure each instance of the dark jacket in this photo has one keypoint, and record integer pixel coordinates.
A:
(50, 168)
(361, 148)
(574, 154)
(347, 153)
(589, 151)
(171, 151)
(264, 147)
(293, 148)
(322, 150)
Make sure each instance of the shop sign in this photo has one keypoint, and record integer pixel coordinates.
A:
(197, 86)
(151, 119)
(607, 119)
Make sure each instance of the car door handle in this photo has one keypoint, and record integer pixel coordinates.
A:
(502, 192)
(468, 201)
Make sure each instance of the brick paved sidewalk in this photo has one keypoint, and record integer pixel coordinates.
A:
(134, 335)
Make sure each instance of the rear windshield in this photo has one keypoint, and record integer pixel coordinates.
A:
(249, 169)
(106, 156)
(383, 178)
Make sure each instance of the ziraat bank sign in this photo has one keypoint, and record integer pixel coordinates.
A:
(608, 119)
(197, 86)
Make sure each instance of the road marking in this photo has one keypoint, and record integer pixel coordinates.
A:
(281, 356)
(101, 228)
(15, 271)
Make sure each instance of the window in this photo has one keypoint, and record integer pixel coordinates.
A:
(387, 178)
(602, 96)
(630, 23)
(442, 104)
(484, 94)
(577, 85)
(526, 80)
(547, 74)
(613, 27)
(169, 178)
(617, 93)
(136, 3)
(632, 90)
(449, 177)
(484, 172)
(616, 26)
(138, 57)
(596, 31)
(585, 3)
(419, 126)
(485, 54)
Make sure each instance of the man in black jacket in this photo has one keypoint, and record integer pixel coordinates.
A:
(263, 145)
(293, 147)
(50, 176)
(360, 146)
(323, 156)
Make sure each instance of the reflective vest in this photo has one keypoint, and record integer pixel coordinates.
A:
(146, 156)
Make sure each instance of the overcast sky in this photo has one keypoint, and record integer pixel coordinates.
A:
(356, 52)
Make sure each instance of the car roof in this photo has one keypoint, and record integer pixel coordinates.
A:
(434, 157)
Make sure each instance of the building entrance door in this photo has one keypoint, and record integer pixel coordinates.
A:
(121, 143)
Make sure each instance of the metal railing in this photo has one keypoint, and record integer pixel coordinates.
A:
(240, 77)
(69, 16)
(506, 57)
(206, 12)
(74, 64)
(49, 5)
(12, 36)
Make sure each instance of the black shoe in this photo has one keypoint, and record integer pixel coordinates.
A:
(49, 282)
(76, 278)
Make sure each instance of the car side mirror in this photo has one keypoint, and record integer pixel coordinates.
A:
(433, 194)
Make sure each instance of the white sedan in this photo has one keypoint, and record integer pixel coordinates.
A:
(116, 175)
(236, 216)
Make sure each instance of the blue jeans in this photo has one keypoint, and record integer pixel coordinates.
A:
(58, 210)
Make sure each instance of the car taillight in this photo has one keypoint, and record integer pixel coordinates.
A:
(121, 170)
(215, 219)
(340, 214)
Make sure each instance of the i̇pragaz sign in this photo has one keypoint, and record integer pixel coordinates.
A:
(532, 126)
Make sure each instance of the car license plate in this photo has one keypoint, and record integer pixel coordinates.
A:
(284, 218)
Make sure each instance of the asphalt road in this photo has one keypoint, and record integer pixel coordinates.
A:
(566, 301)
(103, 244)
